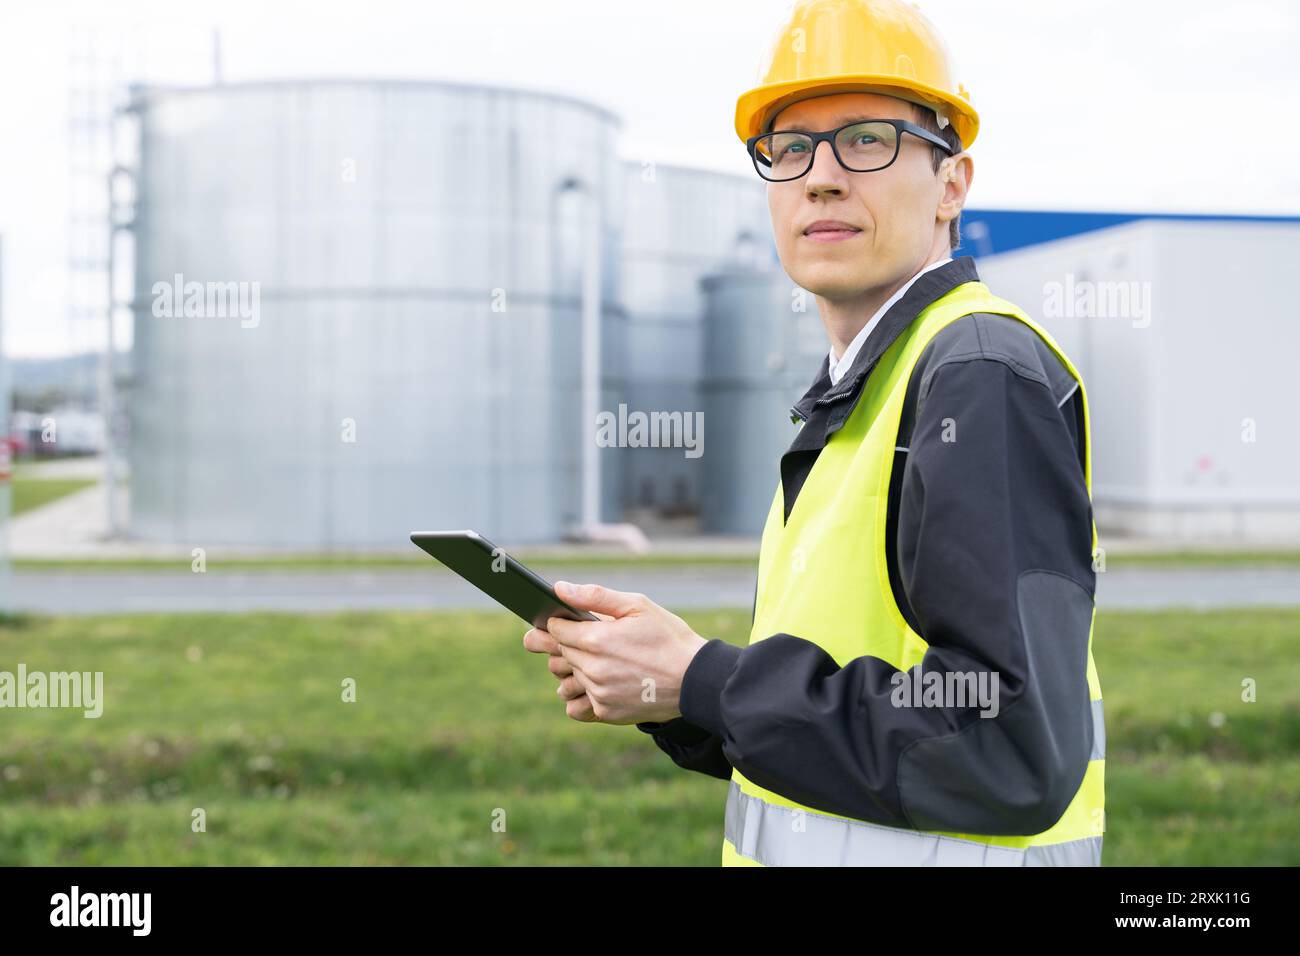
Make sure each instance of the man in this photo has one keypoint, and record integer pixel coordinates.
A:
(919, 685)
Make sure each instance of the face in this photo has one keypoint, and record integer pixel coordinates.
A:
(895, 216)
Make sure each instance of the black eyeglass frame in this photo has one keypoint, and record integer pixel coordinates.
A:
(901, 126)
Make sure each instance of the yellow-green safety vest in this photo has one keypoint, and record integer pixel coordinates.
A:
(811, 575)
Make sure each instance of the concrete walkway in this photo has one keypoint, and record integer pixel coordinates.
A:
(678, 588)
(73, 527)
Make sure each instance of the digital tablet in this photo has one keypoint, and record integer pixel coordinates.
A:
(499, 576)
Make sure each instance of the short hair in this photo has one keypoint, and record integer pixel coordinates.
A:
(927, 120)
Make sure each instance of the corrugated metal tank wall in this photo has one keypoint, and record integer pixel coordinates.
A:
(763, 343)
(679, 225)
(385, 224)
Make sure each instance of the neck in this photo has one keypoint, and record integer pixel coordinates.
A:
(845, 318)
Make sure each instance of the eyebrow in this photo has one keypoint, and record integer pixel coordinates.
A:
(842, 121)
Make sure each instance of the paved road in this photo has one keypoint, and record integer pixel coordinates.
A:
(679, 588)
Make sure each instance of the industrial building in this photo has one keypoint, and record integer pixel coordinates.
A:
(410, 266)
(1193, 417)
(414, 360)
(679, 226)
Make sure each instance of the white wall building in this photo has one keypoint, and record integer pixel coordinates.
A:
(1187, 336)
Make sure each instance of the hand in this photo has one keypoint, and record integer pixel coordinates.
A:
(577, 704)
(629, 665)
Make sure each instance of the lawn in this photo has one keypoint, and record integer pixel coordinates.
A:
(29, 493)
(455, 726)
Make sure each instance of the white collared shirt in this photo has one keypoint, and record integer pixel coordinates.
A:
(839, 367)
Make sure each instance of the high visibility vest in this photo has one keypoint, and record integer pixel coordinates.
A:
(811, 576)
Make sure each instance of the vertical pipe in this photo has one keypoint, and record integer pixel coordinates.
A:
(106, 404)
(590, 364)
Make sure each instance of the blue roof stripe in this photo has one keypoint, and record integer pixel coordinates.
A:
(988, 231)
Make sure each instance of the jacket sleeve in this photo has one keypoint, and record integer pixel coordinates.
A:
(994, 552)
(689, 746)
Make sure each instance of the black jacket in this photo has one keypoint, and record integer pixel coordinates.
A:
(991, 563)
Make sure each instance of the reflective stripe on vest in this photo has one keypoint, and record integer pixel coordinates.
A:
(831, 587)
(779, 836)
(1098, 731)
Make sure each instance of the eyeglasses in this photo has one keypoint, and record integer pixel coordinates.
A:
(861, 147)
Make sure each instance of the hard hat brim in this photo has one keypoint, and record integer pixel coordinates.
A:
(756, 106)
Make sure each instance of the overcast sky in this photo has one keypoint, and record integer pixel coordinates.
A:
(1104, 105)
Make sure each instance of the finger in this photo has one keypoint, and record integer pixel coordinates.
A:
(580, 709)
(595, 597)
(584, 634)
(561, 627)
(579, 658)
(559, 666)
(540, 642)
(570, 687)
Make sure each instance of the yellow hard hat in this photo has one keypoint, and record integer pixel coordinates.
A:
(856, 46)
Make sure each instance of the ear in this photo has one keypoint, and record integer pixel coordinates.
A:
(959, 165)
(955, 173)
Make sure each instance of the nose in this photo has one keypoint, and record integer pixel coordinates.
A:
(827, 176)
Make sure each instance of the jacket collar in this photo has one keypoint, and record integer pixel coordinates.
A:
(932, 286)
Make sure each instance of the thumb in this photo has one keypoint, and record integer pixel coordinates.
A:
(594, 597)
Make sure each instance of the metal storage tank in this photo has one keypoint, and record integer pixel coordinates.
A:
(417, 256)
(763, 344)
(679, 225)
(1184, 333)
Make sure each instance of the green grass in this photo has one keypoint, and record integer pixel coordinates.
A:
(29, 493)
(1195, 775)
(241, 715)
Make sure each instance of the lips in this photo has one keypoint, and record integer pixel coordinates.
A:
(830, 230)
